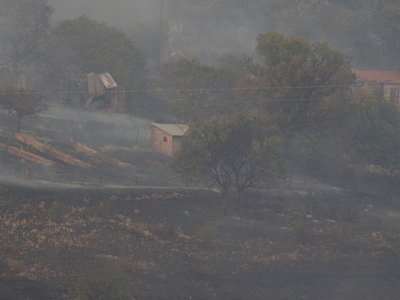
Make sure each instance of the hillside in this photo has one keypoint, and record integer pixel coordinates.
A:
(119, 144)
(67, 224)
(177, 244)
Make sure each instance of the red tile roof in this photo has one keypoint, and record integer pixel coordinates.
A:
(379, 76)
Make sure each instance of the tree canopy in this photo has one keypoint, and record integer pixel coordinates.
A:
(196, 90)
(94, 46)
(294, 78)
(235, 152)
(24, 30)
(291, 80)
(376, 132)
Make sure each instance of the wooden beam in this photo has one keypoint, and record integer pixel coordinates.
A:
(106, 158)
(35, 144)
(30, 156)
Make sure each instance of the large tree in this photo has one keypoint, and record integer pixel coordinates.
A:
(196, 90)
(89, 45)
(305, 87)
(293, 80)
(234, 152)
(376, 132)
(24, 30)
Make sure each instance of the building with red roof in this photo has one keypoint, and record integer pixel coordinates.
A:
(382, 83)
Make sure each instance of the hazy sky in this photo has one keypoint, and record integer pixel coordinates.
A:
(203, 31)
(116, 13)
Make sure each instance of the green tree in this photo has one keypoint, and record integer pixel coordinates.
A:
(196, 90)
(315, 155)
(294, 78)
(92, 46)
(234, 152)
(24, 31)
(108, 284)
(22, 102)
(305, 88)
(376, 134)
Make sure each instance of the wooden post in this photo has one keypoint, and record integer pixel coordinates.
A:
(28, 174)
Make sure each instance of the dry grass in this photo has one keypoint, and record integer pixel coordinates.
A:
(206, 233)
(301, 230)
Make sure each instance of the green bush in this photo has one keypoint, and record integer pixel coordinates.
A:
(206, 233)
(57, 211)
(104, 209)
(345, 237)
(301, 230)
(105, 284)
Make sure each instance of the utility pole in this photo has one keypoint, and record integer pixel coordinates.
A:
(160, 38)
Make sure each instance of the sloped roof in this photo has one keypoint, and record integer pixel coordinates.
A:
(107, 80)
(172, 129)
(388, 77)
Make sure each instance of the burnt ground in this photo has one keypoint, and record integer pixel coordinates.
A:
(115, 135)
(298, 242)
(176, 243)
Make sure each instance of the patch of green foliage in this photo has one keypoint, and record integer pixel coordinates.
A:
(107, 284)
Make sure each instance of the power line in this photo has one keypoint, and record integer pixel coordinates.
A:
(222, 89)
(232, 101)
(162, 90)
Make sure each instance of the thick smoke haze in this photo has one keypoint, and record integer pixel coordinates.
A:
(361, 29)
(188, 33)
(118, 136)
(115, 13)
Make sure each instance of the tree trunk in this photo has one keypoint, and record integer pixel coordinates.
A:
(225, 202)
(239, 199)
(291, 174)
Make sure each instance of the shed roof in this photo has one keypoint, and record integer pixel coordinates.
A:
(107, 80)
(172, 129)
(389, 77)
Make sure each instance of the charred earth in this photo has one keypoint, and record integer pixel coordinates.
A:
(60, 225)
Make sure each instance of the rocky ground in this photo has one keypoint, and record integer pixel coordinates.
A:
(177, 244)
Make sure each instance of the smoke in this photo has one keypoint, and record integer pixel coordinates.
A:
(96, 127)
(191, 31)
(105, 132)
(116, 13)
(204, 28)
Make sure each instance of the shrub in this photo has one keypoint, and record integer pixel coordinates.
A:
(300, 229)
(104, 209)
(310, 203)
(57, 211)
(345, 237)
(206, 233)
(106, 284)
